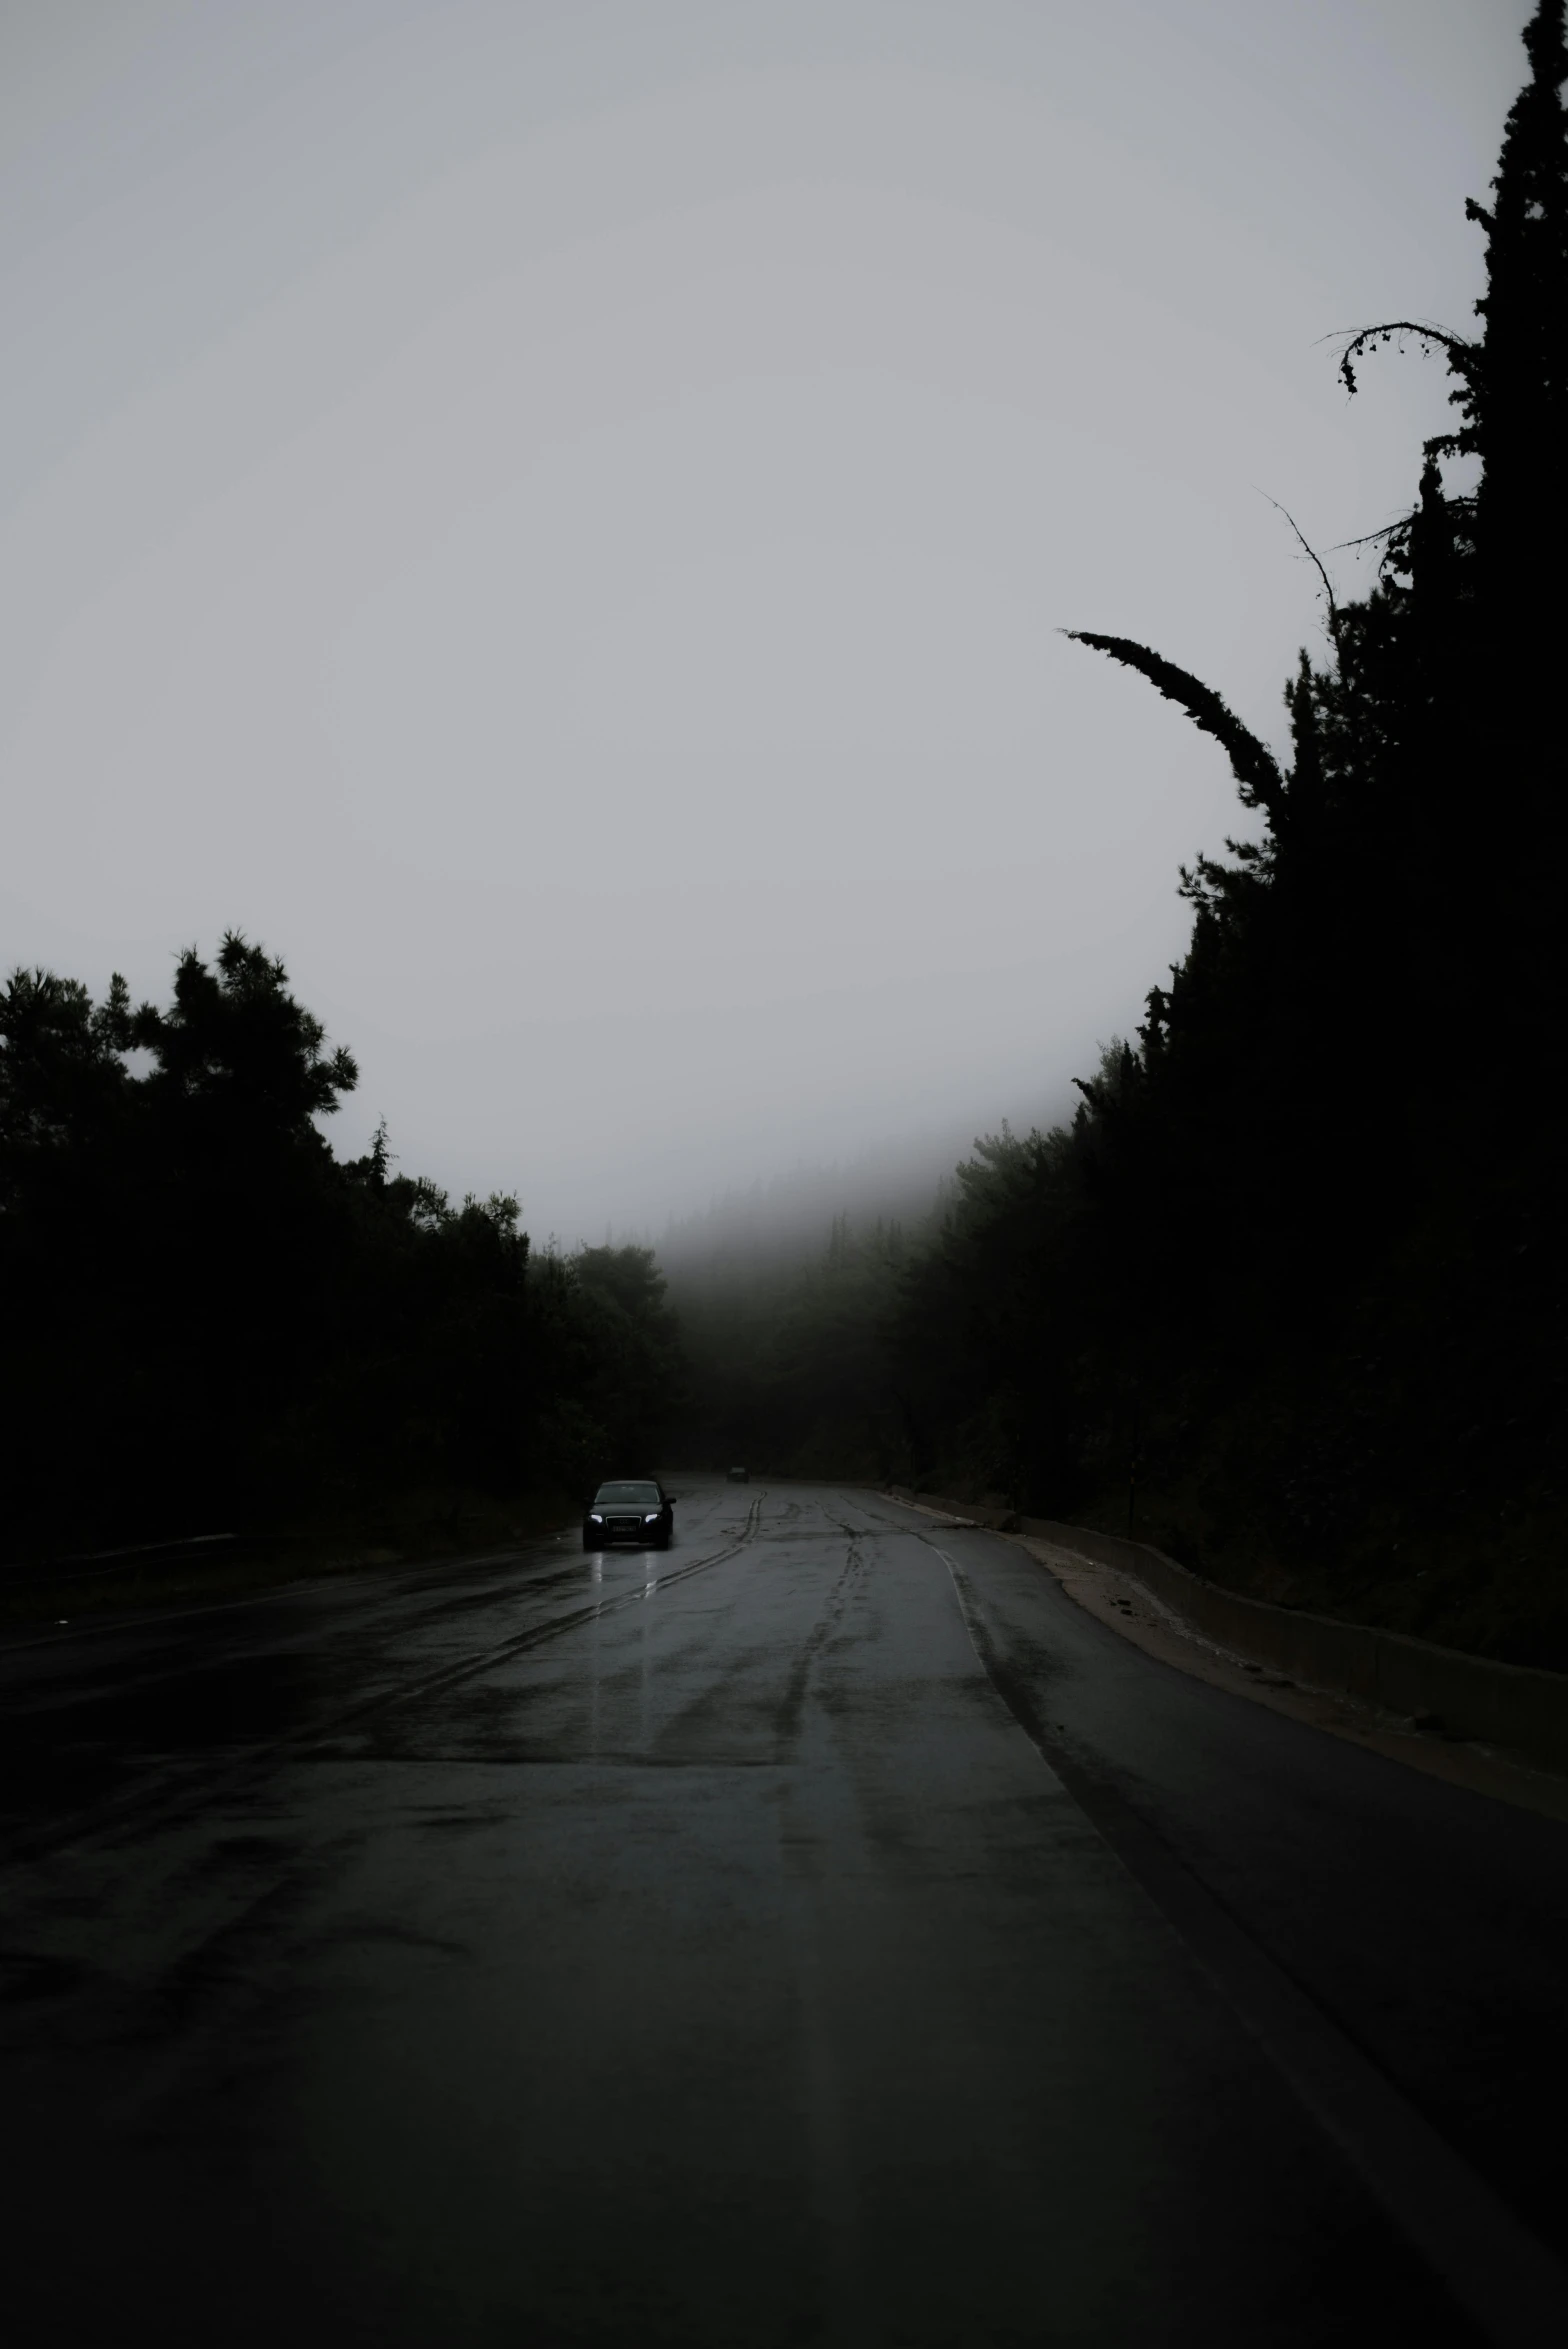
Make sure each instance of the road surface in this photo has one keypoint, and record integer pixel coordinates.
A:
(823, 1932)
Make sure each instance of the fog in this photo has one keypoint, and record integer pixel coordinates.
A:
(556, 519)
(777, 1223)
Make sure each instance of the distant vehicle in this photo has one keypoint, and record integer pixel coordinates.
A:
(739, 1476)
(630, 1509)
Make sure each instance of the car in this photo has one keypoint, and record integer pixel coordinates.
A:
(739, 1476)
(630, 1509)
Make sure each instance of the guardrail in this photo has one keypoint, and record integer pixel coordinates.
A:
(1518, 1706)
(89, 1565)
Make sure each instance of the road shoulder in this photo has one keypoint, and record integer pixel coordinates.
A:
(1124, 1605)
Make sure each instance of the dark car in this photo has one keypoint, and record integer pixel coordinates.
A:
(738, 1476)
(630, 1509)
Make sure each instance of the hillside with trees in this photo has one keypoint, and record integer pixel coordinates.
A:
(1288, 1292)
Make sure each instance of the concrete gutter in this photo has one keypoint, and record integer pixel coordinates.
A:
(1513, 1706)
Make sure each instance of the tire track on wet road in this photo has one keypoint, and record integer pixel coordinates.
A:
(469, 1667)
(148, 1805)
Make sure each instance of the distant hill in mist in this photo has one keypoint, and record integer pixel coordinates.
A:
(781, 1222)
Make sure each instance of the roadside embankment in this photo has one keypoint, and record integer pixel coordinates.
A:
(1512, 1706)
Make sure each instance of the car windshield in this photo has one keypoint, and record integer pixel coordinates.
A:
(627, 1496)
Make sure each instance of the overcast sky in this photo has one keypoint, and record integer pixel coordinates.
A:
(555, 517)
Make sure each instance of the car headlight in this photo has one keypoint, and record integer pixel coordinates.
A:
(652, 1517)
(594, 1517)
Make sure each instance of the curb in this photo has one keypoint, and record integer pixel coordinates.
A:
(1516, 1706)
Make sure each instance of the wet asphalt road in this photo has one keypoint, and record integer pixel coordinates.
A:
(822, 1932)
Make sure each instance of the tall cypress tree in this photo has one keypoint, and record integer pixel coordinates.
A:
(1513, 385)
(1515, 402)
(1494, 632)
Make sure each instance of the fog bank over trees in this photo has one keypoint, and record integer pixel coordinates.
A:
(789, 1219)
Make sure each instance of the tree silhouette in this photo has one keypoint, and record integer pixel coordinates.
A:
(213, 1320)
(1312, 1217)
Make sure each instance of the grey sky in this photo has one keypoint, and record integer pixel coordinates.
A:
(554, 518)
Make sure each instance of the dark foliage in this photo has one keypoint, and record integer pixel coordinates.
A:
(212, 1321)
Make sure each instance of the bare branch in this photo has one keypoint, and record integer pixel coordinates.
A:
(1368, 337)
(1372, 537)
(1315, 559)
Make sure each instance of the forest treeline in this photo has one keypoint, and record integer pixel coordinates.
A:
(214, 1323)
(1288, 1292)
